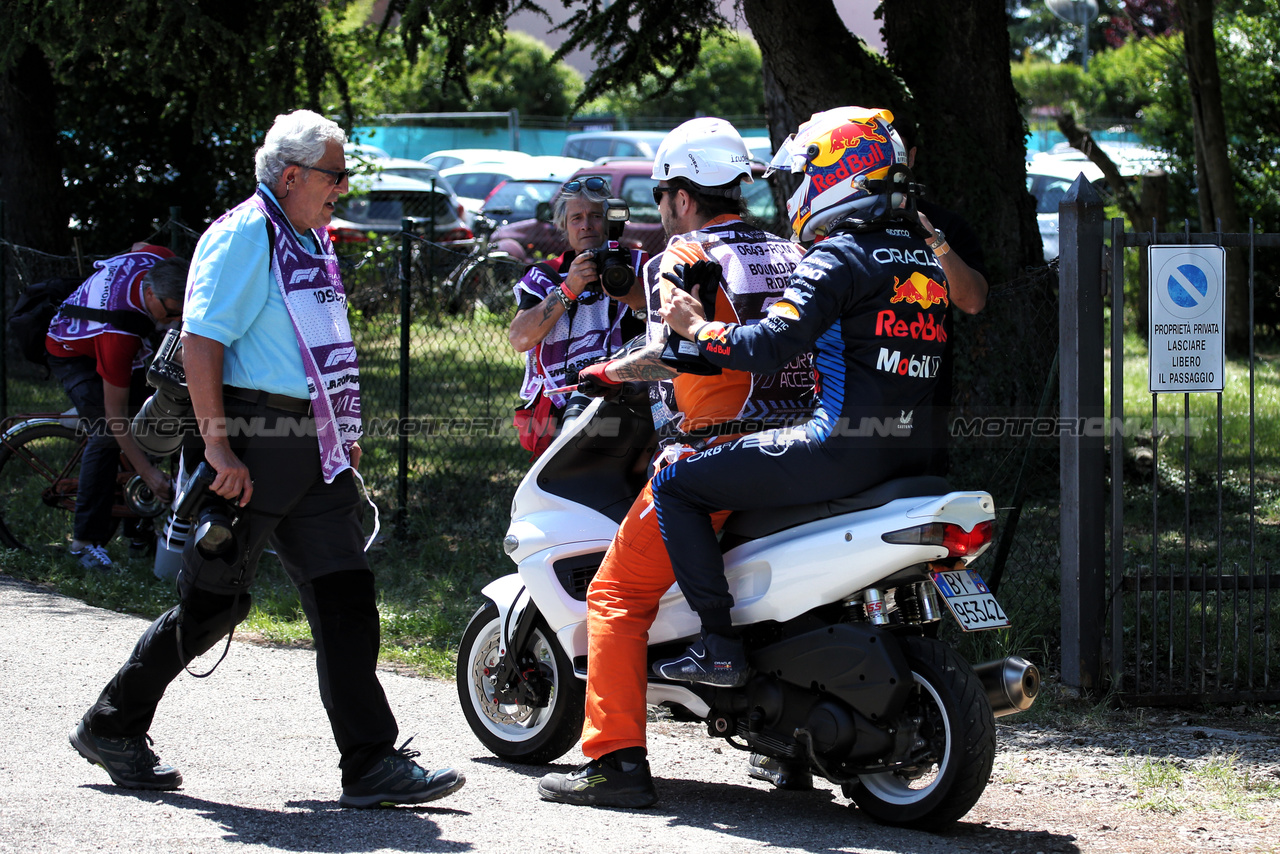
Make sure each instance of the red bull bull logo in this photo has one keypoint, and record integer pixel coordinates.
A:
(854, 133)
(921, 290)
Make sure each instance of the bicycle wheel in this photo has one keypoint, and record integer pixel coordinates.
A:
(39, 473)
(489, 282)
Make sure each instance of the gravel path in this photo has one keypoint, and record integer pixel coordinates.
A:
(260, 767)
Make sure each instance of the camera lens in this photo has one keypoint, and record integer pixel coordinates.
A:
(160, 424)
(617, 276)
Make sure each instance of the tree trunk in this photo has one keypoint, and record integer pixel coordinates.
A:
(813, 63)
(954, 59)
(1213, 160)
(30, 171)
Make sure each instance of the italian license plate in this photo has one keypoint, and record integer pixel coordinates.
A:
(971, 602)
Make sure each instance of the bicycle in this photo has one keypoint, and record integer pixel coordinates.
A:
(487, 275)
(40, 457)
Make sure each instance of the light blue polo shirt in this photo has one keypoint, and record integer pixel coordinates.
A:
(233, 299)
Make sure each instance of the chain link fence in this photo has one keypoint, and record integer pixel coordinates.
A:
(439, 382)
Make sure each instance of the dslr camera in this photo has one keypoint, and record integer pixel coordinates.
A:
(613, 262)
(162, 421)
(209, 514)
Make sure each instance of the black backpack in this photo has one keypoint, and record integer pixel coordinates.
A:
(29, 321)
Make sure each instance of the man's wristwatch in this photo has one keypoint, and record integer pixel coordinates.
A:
(939, 243)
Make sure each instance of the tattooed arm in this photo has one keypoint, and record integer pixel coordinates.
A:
(531, 325)
(643, 364)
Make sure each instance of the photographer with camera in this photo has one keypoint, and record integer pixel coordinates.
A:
(738, 271)
(271, 374)
(98, 344)
(569, 313)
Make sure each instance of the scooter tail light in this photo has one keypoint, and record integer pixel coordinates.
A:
(956, 540)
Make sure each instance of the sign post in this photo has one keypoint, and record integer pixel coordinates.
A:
(1188, 318)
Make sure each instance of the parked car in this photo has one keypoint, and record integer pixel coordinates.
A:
(473, 184)
(1049, 177)
(405, 168)
(592, 145)
(450, 157)
(516, 200)
(377, 203)
(630, 180)
(364, 151)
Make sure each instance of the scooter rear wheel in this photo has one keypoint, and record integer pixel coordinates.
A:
(958, 737)
(527, 734)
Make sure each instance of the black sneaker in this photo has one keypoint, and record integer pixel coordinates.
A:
(398, 780)
(129, 762)
(713, 660)
(794, 776)
(603, 782)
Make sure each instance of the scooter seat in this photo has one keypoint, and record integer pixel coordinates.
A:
(746, 525)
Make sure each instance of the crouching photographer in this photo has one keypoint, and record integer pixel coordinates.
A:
(576, 309)
(273, 382)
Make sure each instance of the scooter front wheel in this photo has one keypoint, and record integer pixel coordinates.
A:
(515, 731)
(955, 745)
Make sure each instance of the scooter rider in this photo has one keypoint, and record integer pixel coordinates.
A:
(699, 168)
(870, 299)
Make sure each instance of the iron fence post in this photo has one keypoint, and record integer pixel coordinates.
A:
(4, 317)
(402, 434)
(1082, 447)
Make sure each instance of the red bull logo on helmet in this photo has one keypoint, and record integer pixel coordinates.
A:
(855, 133)
(920, 290)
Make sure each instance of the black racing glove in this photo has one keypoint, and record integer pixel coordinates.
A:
(702, 279)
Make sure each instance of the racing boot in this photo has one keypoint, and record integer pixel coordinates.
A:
(617, 779)
(713, 660)
(793, 776)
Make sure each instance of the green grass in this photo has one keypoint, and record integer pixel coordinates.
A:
(1216, 782)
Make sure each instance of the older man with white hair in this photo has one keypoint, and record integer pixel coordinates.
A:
(275, 387)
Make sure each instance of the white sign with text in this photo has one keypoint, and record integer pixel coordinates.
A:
(1187, 288)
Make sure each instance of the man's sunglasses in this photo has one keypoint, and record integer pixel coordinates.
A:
(171, 313)
(595, 184)
(657, 193)
(338, 176)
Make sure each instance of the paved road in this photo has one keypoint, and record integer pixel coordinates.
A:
(261, 769)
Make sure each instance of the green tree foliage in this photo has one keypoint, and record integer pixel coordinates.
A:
(1041, 83)
(157, 104)
(627, 38)
(515, 72)
(725, 82)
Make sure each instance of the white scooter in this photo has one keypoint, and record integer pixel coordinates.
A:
(840, 603)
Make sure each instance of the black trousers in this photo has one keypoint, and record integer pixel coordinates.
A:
(771, 469)
(315, 529)
(100, 462)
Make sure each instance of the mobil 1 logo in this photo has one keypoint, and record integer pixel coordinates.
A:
(1187, 288)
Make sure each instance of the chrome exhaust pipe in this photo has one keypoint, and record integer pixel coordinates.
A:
(1011, 684)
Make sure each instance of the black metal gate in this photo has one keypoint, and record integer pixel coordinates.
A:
(1189, 582)
(1194, 607)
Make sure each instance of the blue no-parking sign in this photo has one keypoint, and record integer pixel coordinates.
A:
(1187, 287)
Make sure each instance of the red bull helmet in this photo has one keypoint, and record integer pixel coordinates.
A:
(838, 152)
(706, 151)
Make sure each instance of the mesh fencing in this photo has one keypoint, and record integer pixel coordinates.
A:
(437, 393)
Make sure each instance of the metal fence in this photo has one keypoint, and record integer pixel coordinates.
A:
(439, 383)
(1186, 606)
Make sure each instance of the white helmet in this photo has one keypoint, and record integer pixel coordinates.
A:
(837, 153)
(706, 151)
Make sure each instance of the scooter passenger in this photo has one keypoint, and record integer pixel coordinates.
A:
(870, 299)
